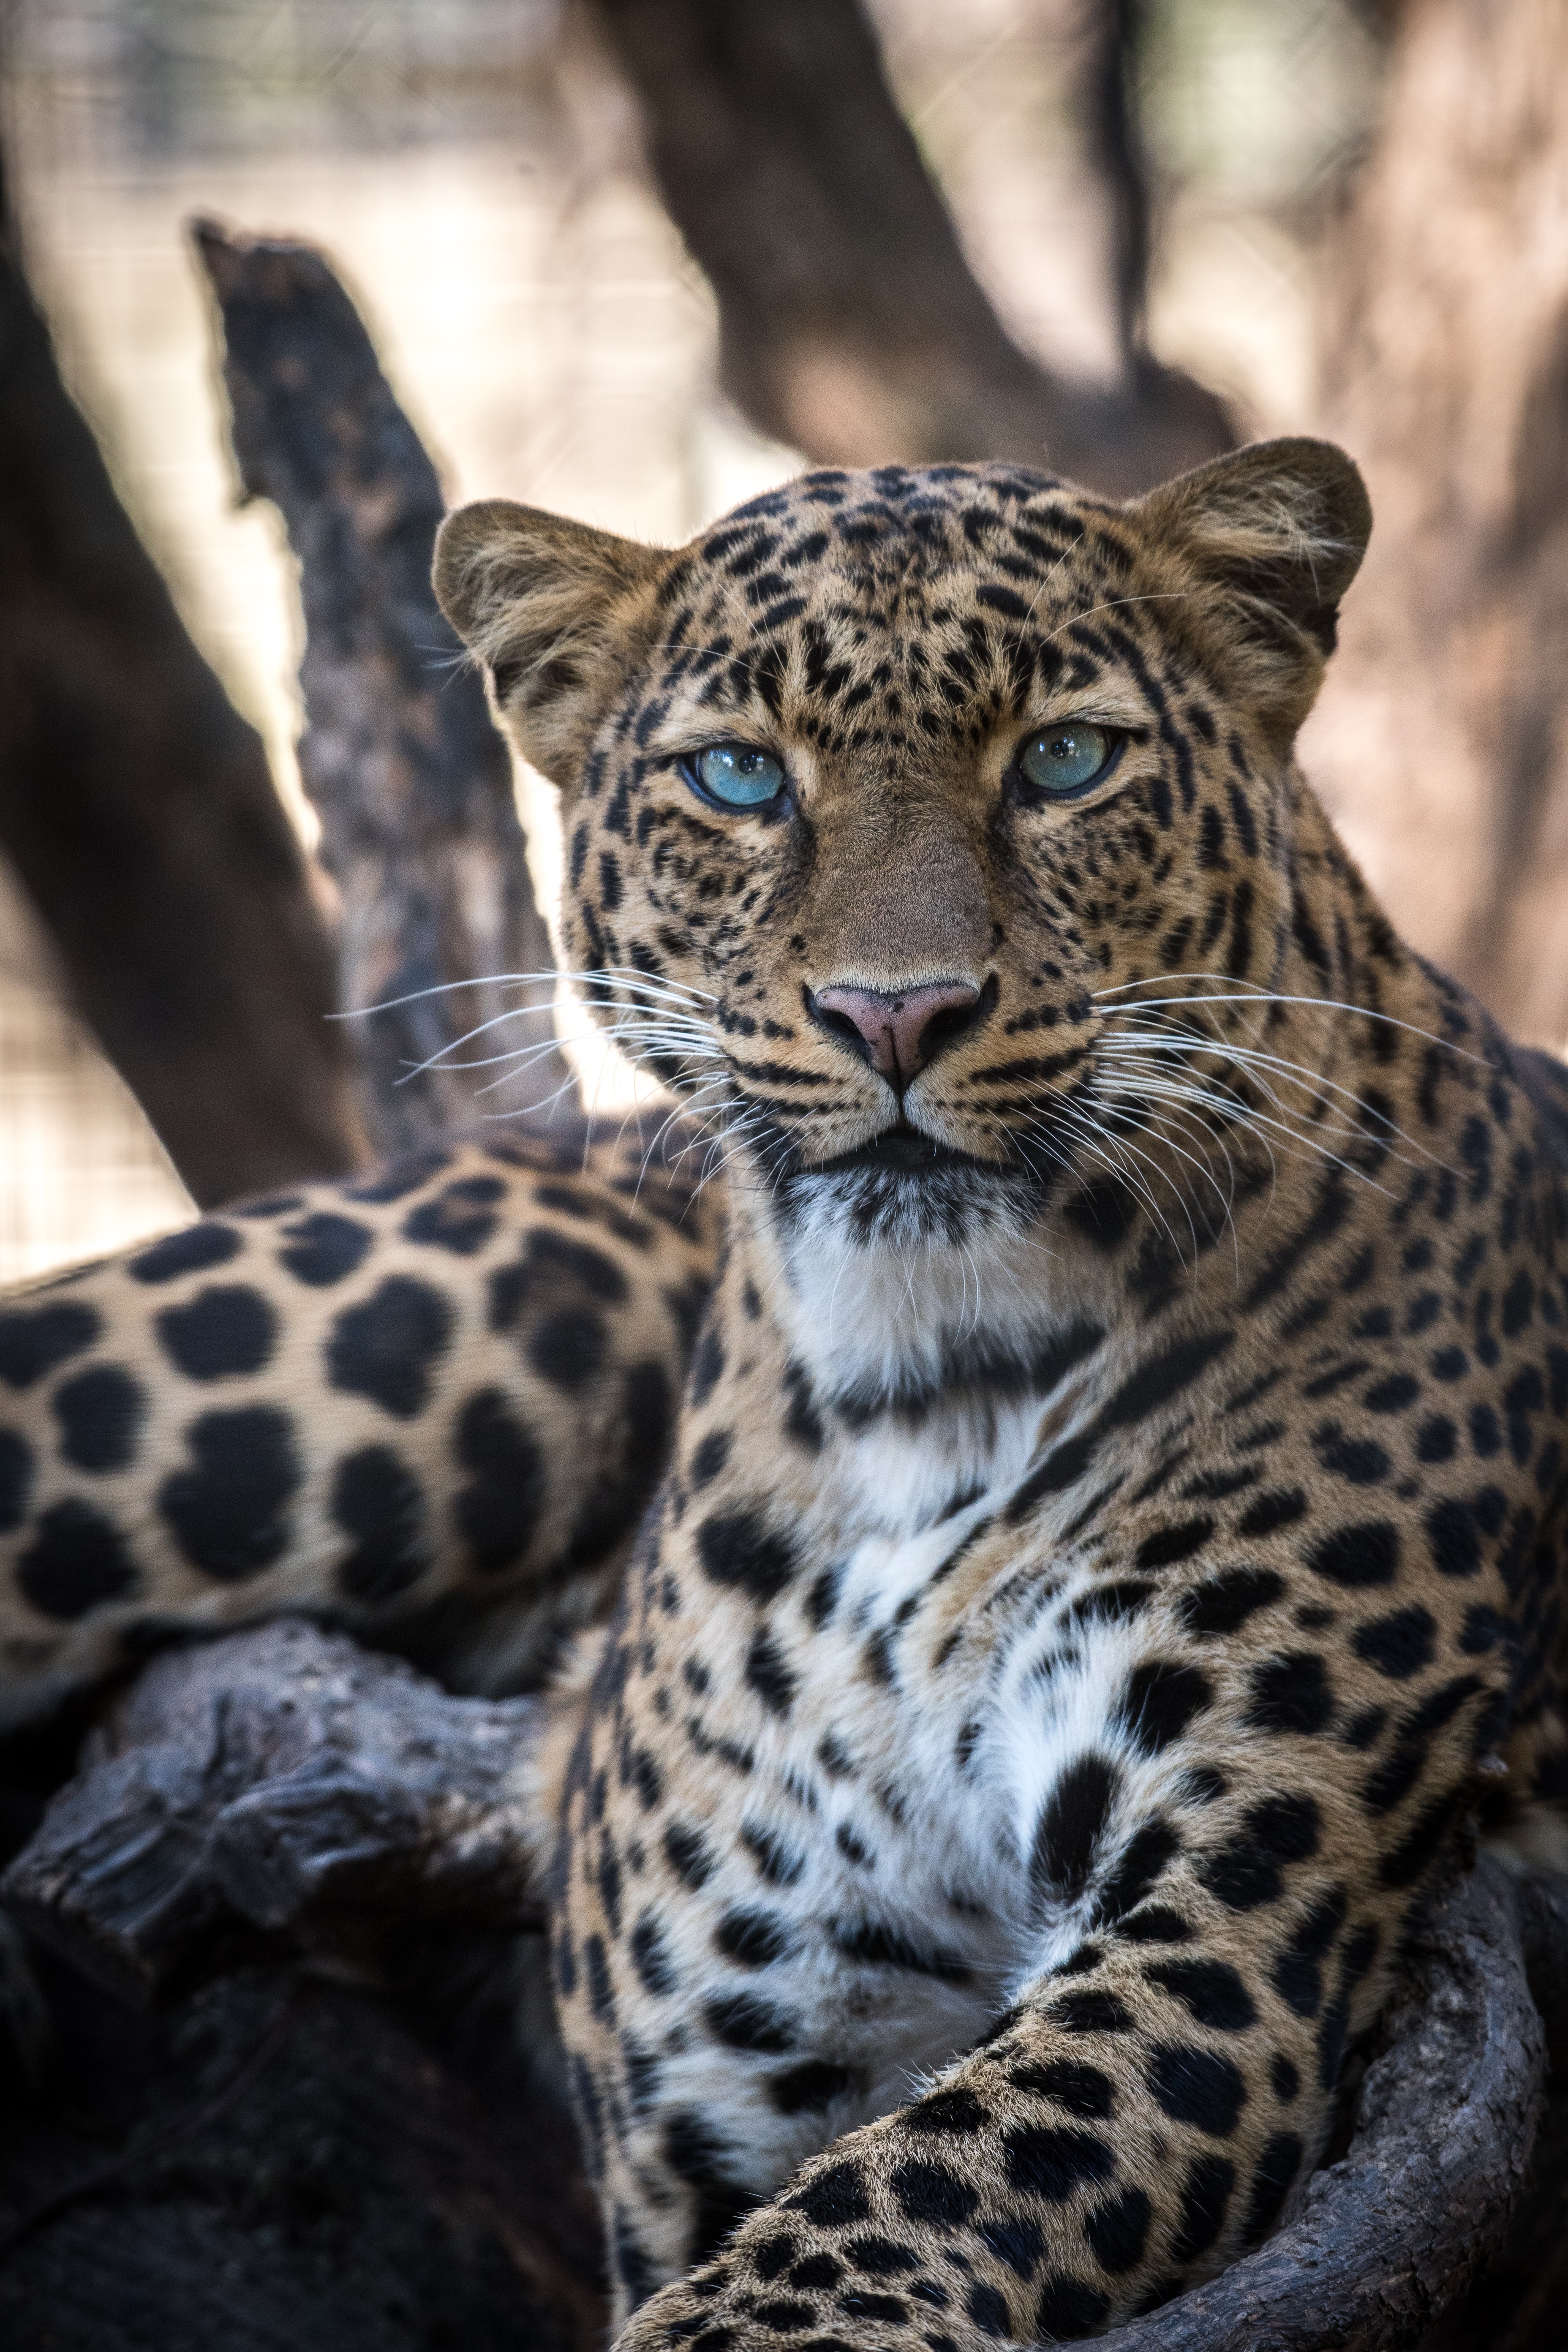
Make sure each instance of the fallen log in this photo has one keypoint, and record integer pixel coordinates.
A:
(284, 1781)
(401, 761)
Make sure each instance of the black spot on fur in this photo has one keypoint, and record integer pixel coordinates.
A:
(1398, 1645)
(378, 1501)
(739, 1550)
(498, 1511)
(1249, 1871)
(932, 2194)
(1195, 2087)
(388, 1347)
(225, 1330)
(1168, 1545)
(194, 1251)
(1071, 1822)
(101, 1414)
(323, 1248)
(1052, 2161)
(1160, 1701)
(1082, 2090)
(753, 1938)
(1365, 1554)
(1226, 1601)
(769, 1673)
(1212, 1990)
(1118, 2230)
(34, 1339)
(77, 1562)
(229, 1512)
(742, 2022)
(1290, 1693)
(835, 2199)
(1067, 2306)
(17, 1469)
(1205, 2198)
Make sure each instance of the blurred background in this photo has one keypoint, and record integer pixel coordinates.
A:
(479, 172)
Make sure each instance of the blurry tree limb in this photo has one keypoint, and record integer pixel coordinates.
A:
(1442, 739)
(850, 324)
(137, 806)
(400, 757)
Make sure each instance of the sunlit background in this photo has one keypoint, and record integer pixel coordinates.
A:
(473, 168)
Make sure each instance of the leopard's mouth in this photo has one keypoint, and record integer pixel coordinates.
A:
(903, 1150)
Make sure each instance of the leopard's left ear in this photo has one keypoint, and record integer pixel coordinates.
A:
(1280, 527)
(552, 609)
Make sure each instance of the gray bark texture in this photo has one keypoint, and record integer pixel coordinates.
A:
(400, 758)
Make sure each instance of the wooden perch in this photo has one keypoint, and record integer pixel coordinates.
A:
(282, 1777)
(850, 322)
(137, 806)
(412, 781)
(287, 1778)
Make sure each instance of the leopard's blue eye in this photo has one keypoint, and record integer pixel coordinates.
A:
(1067, 758)
(736, 776)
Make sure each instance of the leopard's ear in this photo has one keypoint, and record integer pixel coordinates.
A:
(1279, 529)
(554, 610)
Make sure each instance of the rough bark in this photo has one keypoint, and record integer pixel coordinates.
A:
(137, 809)
(400, 758)
(280, 1780)
(285, 1778)
(1442, 740)
(850, 324)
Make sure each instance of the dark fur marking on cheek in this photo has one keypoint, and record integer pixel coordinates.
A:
(689, 1855)
(650, 1958)
(498, 1511)
(707, 1365)
(740, 2021)
(710, 1457)
(387, 1348)
(1195, 2087)
(77, 1562)
(322, 1248)
(226, 1331)
(769, 1673)
(101, 1414)
(1140, 1864)
(378, 1501)
(755, 1939)
(228, 1513)
(194, 1251)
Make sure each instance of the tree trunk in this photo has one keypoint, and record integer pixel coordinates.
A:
(850, 321)
(137, 806)
(400, 756)
(1442, 740)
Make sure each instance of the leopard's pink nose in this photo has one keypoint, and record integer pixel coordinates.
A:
(898, 1032)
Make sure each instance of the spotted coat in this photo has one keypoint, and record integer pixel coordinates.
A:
(1112, 1543)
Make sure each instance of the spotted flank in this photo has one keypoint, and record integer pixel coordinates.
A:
(1041, 1493)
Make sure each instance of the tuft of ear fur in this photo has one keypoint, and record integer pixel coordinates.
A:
(1279, 529)
(550, 607)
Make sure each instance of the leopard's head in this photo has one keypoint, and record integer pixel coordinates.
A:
(880, 797)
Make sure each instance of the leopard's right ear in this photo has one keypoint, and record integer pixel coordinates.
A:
(554, 610)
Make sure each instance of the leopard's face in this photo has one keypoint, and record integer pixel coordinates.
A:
(882, 798)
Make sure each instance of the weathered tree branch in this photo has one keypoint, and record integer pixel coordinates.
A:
(137, 808)
(850, 324)
(411, 779)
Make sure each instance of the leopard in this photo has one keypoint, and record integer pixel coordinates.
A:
(1035, 1500)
